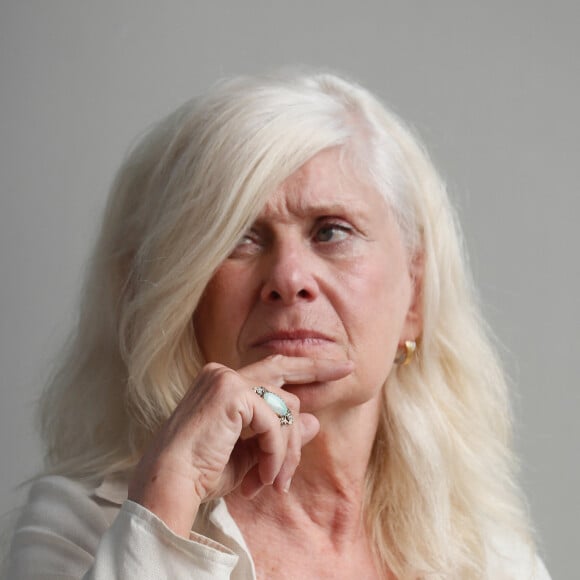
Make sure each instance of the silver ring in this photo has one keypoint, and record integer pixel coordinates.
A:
(277, 405)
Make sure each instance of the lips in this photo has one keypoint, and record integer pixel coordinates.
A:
(298, 342)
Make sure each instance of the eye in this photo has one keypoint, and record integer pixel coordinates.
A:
(245, 240)
(332, 232)
(248, 244)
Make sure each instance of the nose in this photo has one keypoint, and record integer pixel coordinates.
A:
(289, 276)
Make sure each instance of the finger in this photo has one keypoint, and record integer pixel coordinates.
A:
(277, 370)
(291, 460)
(306, 428)
(258, 456)
(279, 467)
(291, 402)
(272, 440)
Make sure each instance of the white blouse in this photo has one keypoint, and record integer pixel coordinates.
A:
(72, 531)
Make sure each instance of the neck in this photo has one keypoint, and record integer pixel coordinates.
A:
(327, 490)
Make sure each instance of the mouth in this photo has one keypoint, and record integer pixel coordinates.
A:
(299, 342)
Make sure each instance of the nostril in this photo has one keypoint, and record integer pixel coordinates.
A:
(275, 295)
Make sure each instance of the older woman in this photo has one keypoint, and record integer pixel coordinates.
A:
(279, 370)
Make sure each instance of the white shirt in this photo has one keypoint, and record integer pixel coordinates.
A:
(68, 531)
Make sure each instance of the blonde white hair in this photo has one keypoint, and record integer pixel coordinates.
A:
(440, 481)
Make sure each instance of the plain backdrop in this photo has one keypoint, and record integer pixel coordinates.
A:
(492, 87)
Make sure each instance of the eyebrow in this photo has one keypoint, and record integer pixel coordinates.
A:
(350, 208)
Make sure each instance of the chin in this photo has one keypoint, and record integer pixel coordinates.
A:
(340, 396)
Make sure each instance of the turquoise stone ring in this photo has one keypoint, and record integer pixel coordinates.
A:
(277, 405)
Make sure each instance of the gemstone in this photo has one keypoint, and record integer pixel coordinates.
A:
(276, 403)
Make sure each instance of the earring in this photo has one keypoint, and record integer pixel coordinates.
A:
(405, 353)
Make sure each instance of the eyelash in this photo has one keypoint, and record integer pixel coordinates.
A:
(334, 227)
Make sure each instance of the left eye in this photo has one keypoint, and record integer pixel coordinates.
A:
(332, 233)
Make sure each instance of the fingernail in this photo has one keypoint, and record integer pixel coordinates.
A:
(287, 486)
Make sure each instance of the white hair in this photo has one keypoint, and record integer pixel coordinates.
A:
(440, 482)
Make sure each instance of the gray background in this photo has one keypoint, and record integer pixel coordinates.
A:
(493, 88)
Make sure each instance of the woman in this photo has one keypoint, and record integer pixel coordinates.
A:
(279, 370)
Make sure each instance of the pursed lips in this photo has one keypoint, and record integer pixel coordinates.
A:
(292, 342)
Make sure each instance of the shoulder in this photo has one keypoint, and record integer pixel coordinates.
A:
(60, 501)
(59, 527)
(69, 527)
(63, 507)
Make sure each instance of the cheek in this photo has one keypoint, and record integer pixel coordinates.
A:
(377, 300)
(381, 292)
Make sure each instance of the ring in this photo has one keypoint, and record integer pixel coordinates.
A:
(277, 405)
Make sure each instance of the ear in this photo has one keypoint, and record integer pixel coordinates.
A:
(413, 326)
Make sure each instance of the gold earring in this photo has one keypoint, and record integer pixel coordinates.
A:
(405, 353)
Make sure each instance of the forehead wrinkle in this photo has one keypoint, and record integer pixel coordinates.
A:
(302, 195)
(292, 195)
(293, 204)
(319, 189)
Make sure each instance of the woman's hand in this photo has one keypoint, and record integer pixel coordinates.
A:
(222, 435)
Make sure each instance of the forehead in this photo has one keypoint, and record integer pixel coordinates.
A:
(326, 183)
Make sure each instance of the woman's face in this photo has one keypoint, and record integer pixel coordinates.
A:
(322, 273)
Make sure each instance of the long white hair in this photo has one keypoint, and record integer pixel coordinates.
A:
(440, 482)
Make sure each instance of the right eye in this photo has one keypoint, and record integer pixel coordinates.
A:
(248, 245)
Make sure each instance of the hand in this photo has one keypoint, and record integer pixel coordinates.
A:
(222, 435)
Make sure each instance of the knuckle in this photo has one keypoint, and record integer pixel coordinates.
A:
(218, 375)
(217, 370)
(212, 367)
